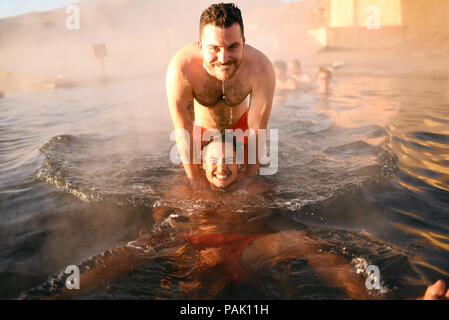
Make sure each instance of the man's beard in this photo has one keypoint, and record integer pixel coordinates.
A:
(225, 73)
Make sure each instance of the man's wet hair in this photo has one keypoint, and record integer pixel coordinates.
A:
(280, 64)
(221, 15)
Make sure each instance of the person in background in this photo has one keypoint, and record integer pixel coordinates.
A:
(283, 81)
(324, 78)
(297, 74)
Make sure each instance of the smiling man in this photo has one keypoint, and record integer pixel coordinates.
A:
(220, 170)
(209, 84)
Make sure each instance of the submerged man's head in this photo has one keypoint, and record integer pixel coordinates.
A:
(219, 164)
(221, 40)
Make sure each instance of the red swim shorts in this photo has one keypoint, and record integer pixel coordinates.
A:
(231, 248)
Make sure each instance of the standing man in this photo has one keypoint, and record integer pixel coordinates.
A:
(209, 83)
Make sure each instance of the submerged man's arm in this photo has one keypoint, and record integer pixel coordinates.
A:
(111, 264)
(261, 103)
(286, 245)
(180, 98)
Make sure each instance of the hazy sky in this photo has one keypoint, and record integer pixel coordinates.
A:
(16, 7)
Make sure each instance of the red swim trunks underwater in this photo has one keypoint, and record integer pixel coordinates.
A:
(230, 248)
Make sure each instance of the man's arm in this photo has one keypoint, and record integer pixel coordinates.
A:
(286, 245)
(261, 103)
(180, 102)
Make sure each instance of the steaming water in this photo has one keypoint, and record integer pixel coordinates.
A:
(82, 169)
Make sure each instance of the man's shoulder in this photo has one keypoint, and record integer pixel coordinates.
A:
(257, 60)
(260, 69)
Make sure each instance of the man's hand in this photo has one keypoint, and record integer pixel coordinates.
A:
(436, 291)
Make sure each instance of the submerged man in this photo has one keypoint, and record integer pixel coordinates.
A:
(209, 82)
(218, 249)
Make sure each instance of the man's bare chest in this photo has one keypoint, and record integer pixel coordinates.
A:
(210, 93)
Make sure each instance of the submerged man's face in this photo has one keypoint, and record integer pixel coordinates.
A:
(221, 171)
(222, 50)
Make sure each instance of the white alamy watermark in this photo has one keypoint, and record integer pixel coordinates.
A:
(373, 20)
(373, 277)
(372, 273)
(72, 21)
(73, 280)
(256, 147)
